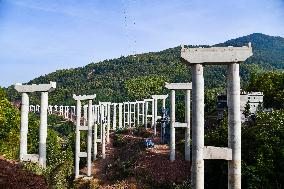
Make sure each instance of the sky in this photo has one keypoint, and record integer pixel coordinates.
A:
(41, 36)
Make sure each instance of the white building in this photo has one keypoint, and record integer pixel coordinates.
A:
(254, 99)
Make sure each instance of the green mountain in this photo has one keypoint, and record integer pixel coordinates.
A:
(127, 78)
(268, 51)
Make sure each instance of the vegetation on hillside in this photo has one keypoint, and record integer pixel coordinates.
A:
(137, 77)
(59, 170)
(272, 86)
(262, 153)
(110, 79)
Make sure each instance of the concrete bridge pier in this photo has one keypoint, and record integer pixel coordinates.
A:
(43, 128)
(25, 89)
(232, 57)
(87, 114)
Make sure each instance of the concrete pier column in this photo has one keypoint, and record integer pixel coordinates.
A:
(155, 114)
(103, 133)
(56, 108)
(77, 149)
(37, 108)
(164, 103)
(197, 126)
(114, 117)
(85, 114)
(108, 122)
(61, 109)
(89, 145)
(234, 127)
(24, 126)
(138, 113)
(43, 129)
(128, 115)
(134, 114)
(101, 121)
(120, 115)
(146, 115)
(172, 126)
(95, 152)
(124, 115)
(187, 130)
(143, 113)
(50, 109)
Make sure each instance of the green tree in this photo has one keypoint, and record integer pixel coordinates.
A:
(272, 86)
(144, 87)
(247, 112)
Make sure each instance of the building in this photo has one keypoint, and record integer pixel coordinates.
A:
(253, 99)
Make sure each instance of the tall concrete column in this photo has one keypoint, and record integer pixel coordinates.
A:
(101, 121)
(108, 122)
(89, 150)
(134, 115)
(43, 129)
(187, 130)
(146, 115)
(138, 113)
(234, 128)
(129, 115)
(164, 103)
(37, 108)
(77, 149)
(114, 117)
(172, 126)
(103, 133)
(96, 112)
(197, 126)
(155, 114)
(143, 113)
(124, 115)
(120, 115)
(24, 126)
(85, 114)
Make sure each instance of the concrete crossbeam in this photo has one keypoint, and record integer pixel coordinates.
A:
(84, 97)
(82, 154)
(31, 157)
(212, 152)
(179, 86)
(160, 97)
(216, 55)
(180, 125)
(35, 88)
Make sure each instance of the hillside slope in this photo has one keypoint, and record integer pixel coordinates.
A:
(108, 78)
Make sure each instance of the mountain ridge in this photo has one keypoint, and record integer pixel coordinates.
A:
(109, 78)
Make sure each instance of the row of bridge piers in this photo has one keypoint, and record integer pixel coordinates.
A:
(97, 118)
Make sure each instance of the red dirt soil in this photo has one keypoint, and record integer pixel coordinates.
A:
(13, 177)
(154, 164)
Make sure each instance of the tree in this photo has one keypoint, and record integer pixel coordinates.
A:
(144, 87)
(272, 86)
(247, 112)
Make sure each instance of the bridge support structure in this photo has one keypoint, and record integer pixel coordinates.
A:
(231, 57)
(25, 89)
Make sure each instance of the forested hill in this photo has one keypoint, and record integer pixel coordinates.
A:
(139, 76)
(268, 51)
